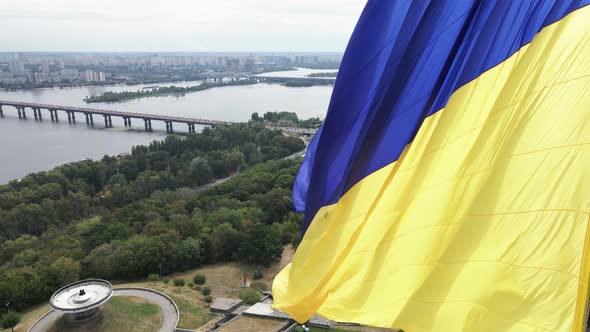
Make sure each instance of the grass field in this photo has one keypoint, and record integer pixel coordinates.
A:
(130, 314)
(245, 323)
(223, 279)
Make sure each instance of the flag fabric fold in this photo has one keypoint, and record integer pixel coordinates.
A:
(446, 190)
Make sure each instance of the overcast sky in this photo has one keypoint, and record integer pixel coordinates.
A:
(177, 25)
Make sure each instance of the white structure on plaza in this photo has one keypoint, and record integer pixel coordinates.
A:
(83, 299)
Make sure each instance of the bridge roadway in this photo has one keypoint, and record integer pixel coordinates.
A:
(127, 116)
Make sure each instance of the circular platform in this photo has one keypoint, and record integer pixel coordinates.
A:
(82, 299)
(166, 304)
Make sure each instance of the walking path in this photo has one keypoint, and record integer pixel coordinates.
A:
(168, 307)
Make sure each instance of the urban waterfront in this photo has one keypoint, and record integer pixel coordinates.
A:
(50, 144)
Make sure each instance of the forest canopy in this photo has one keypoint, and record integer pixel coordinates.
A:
(121, 218)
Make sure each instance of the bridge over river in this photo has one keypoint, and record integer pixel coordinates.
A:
(89, 113)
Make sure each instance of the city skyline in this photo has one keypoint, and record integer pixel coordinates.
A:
(178, 26)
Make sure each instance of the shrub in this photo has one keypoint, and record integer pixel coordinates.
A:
(153, 278)
(190, 285)
(206, 290)
(250, 296)
(178, 282)
(10, 319)
(257, 274)
(208, 299)
(166, 281)
(199, 279)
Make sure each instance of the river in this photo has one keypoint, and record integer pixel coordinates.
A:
(32, 146)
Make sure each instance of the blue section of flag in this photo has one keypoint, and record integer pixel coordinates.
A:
(403, 62)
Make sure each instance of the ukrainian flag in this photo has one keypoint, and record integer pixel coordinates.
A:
(449, 188)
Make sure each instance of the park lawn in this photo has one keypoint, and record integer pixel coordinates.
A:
(224, 279)
(194, 311)
(246, 323)
(130, 314)
(316, 329)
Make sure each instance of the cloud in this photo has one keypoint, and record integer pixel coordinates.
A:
(175, 25)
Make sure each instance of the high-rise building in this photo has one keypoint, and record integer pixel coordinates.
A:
(16, 67)
(233, 65)
(60, 64)
(250, 65)
(93, 76)
(45, 65)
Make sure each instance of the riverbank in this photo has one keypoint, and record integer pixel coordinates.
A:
(326, 74)
(160, 91)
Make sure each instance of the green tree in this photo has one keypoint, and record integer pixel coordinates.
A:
(251, 153)
(225, 241)
(225, 215)
(260, 245)
(250, 296)
(199, 279)
(64, 270)
(99, 262)
(199, 171)
(285, 181)
(10, 319)
(153, 277)
(179, 283)
(206, 290)
(276, 203)
(191, 253)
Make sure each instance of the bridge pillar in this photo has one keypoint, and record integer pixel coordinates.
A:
(24, 113)
(87, 119)
(1, 112)
(35, 113)
(51, 115)
(56, 116)
(69, 117)
(20, 116)
(145, 122)
(129, 122)
(106, 121)
(169, 128)
(74, 117)
(150, 124)
(110, 122)
(39, 114)
(91, 119)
